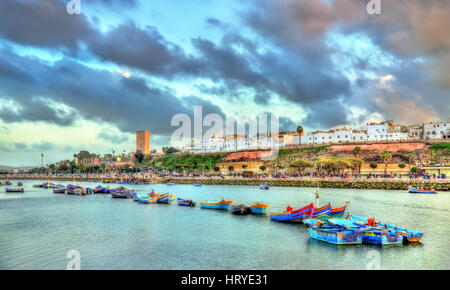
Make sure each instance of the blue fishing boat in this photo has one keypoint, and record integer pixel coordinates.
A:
(371, 235)
(295, 216)
(264, 186)
(221, 205)
(166, 198)
(197, 184)
(258, 208)
(59, 190)
(322, 213)
(415, 190)
(325, 232)
(7, 182)
(185, 202)
(101, 189)
(409, 236)
(14, 190)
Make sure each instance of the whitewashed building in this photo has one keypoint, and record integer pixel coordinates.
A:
(384, 131)
(436, 130)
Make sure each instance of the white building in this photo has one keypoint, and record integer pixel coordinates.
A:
(384, 131)
(436, 130)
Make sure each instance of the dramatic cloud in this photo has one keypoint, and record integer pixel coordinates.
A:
(127, 103)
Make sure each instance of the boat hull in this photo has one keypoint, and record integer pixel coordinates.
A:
(183, 202)
(409, 236)
(296, 216)
(14, 190)
(259, 209)
(59, 191)
(336, 237)
(240, 210)
(120, 195)
(382, 238)
(415, 190)
(216, 205)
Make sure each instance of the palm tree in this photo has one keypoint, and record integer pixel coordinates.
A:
(356, 151)
(386, 155)
(300, 131)
(410, 157)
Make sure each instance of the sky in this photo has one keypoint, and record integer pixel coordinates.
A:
(88, 81)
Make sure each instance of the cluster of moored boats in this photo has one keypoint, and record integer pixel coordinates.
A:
(326, 223)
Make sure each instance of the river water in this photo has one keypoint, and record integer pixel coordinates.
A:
(38, 229)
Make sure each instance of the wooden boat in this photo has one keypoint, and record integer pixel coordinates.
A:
(148, 200)
(240, 209)
(264, 186)
(60, 190)
(122, 192)
(121, 195)
(371, 235)
(14, 190)
(322, 213)
(165, 198)
(295, 216)
(338, 212)
(258, 208)
(415, 190)
(222, 205)
(325, 232)
(101, 189)
(185, 202)
(409, 236)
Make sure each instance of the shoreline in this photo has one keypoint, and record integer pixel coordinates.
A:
(362, 183)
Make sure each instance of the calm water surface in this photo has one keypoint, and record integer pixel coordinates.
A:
(39, 228)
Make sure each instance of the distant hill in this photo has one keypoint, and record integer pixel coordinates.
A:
(6, 167)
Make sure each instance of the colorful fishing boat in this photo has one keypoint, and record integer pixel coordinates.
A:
(371, 235)
(101, 189)
(221, 205)
(185, 202)
(258, 208)
(74, 189)
(338, 212)
(409, 236)
(148, 200)
(14, 190)
(295, 216)
(197, 184)
(264, 186)
(240, 209)
(325, 232)
(415, 190)
(20, 183)
(166, 198)
(122, 192)
(7, 182)
(322, 213)
(59, 190)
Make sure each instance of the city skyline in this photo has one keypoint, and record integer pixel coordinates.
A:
(89, 81)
